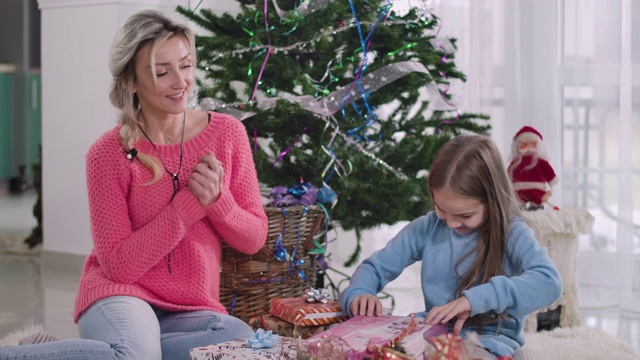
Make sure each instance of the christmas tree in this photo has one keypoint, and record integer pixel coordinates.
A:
(334, 92)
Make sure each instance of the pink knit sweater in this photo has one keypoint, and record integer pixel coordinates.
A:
(135, 227)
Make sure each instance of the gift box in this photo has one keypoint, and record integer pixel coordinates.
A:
(283, 328)
(372, 337)
(300, 312)
(237, 350)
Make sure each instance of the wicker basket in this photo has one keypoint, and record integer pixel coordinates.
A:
(248, 282)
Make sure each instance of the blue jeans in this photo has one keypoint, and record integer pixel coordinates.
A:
(123, 327)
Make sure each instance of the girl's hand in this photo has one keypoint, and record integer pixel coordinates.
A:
(458, 308)
(205, 179)
(367, 305)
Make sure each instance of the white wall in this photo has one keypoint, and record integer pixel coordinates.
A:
(76, 37)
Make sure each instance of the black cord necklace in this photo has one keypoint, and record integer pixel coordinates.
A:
(175, 177)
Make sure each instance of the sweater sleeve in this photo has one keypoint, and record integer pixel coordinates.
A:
(386, 264)
(238, 214)
(535, 283)
(125, 255)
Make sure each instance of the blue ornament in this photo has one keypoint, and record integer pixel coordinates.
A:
(326, 195)
(297, 191)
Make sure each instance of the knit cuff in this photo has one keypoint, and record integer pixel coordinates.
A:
(188, 207)
(222, 207)
(482, 298)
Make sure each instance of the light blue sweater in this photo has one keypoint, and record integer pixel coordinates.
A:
(532, 281)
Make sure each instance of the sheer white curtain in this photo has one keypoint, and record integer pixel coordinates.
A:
(570, 68)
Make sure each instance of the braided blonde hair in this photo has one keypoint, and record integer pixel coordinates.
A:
(142, 28)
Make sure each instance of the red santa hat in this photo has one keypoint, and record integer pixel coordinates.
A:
(528, 132)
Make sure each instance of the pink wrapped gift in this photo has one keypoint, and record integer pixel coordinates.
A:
(372, 337)
(300, 312)
(237, 350)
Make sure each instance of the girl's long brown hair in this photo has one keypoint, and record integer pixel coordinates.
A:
(471, 166)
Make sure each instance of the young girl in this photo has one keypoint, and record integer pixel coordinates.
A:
(482, 268)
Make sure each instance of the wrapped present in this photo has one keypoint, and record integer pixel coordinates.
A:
(299, 311)
(453, 347)
(286, 349)
(283, 328)
(372, 337)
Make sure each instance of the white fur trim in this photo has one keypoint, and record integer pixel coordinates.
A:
(529, 185)
(16, 335)
(528, 136)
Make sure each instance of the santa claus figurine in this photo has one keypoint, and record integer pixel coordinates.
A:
(529, 169)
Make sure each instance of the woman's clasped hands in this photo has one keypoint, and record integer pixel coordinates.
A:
(206, 178)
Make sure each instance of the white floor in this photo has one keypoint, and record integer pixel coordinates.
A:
(31, 294)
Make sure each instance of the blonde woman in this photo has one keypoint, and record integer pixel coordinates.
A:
(165, 186)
